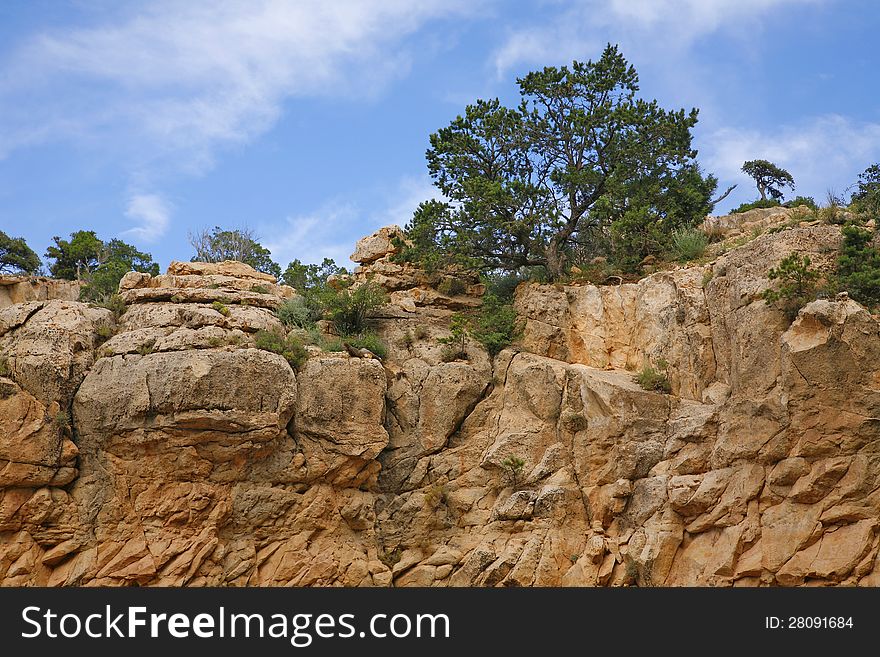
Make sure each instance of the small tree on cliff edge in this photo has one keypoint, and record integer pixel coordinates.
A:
(580, 165)
(768, 178)
(238, 244)
(16, 256)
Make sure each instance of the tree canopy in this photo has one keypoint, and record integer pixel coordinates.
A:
(239, 244)
(582, 167)
(16, 256)
(100, 264)
(866, 197)
(306, 277)
(768, 178)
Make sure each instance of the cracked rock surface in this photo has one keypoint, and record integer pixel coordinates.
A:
(173, 452)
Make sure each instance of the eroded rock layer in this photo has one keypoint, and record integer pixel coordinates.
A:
(163, 448)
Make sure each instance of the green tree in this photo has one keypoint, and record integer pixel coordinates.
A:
(581, 161)
(77, 258)
(238, 244)
(101, 265)
(866, 198)
(858, 266)
(16, 256)
(305, 277)
(768, 178)
(796, 287)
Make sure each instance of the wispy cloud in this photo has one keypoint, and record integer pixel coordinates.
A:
(151, 214)
(662, 26)
(180, 79)
(820, 152)
(313, 236)
(331, 230)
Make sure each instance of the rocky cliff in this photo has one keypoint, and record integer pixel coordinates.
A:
(162, 448)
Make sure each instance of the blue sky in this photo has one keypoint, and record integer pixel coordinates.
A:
(308, 121)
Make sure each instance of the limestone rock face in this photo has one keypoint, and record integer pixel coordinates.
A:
(22, 289)
(378, 245)
(162, 448)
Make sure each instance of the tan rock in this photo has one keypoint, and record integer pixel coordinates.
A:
(377, 245)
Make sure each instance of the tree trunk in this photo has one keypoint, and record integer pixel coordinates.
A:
(555, 260)
(762, 190)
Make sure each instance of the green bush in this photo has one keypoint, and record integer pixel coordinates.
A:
(62, 421)
(296, 312)
(103, 333)
(688, 244)
(656, 379)
(456, 343)
(259, 289)
(349, 307)
(513, 467)
(495, 326)
(858, 266)
(451, 286)
(503, 286)
(866, 199)
(112, 302)
(797, 284)
(745, 207)
(369, 341)
(220, 308)
(288, 346)
(798, 201)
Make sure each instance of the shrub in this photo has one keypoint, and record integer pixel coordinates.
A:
(334, 344)
(103, 333)
(5, 370)
(260, 289)
(146, 348)
(456, 343)
(390, 557)
(858, 266)
(451, 286)
(369, 341)
(62, 420)
(655, 379)
(220, 308)
(290, 347)
(798, 201)
(435, 495)
(350, 307)
(797, 284)
(866, 198)
(503, 286)
(296, 312)
(688, 244)
(420, 332)
(513, 467)
(406, 341)
(495, 326)
(745, 207)
(112, 302)
(177, 298)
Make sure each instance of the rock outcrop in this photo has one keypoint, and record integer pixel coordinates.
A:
(163, 448)
(22, 289)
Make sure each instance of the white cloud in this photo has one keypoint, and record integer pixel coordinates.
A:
(313, 236)
(152, 215)
(820, 152)
(411, 190)
(331, 230)
(178, 79)
(657, 26)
